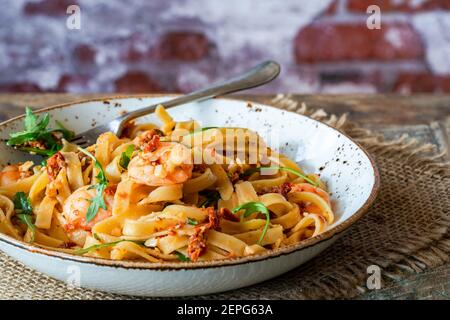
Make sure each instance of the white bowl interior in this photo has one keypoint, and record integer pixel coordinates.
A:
(316, 147)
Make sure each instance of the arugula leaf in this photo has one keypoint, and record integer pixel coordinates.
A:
(101, 177)
(252, 207)
(253, 170)
(30, 119)
(201, 130)
(96, 236)
(97, 246)
(41, 152)
(103, 245)
(24, 211)
(212, 196)
(36, 130)
(182, 257)
(42, 124)
(67, 134)
(102, 182)
(26, 219)
(19, 138)
(22, 203)
(125, 157)
(167, 139)
(96, 203)
(192, 222)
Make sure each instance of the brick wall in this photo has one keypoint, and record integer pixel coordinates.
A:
(181, 45)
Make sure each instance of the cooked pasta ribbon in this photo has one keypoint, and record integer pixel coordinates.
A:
(170, 192)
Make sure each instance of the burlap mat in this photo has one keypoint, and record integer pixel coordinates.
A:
(405, 231)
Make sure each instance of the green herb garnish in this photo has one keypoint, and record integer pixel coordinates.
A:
(252, 207)
(182, 257)
(253, 170)
(201, 130)
(96, 237)
(97, 247)
(24, 211)
(212, 196)
(102, 182)
(22, 203)
(189, 134)
(192, 222)
(125, 157)
(103, 245)
(27, 220)
(36, 130)
(41, 152)
(67, 134)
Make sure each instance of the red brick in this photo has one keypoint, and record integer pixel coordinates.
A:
(395, 5)
(182, 45)
(421, 82)
(20, 87)
(131, 48)
(332, 8)
(67, 80)
(84, 53)
(48, 7)
(325, 41)
(136, 82)
(133, 55)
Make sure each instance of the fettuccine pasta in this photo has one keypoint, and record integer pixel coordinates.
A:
(166, 192)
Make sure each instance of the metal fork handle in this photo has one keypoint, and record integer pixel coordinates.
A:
(256, 76)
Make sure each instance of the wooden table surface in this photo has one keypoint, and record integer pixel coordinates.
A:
(425, 117)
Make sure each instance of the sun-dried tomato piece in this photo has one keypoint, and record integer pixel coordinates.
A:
(197, 242)
(149, 140)
(228, 215)
(284, 189)
(111, 190)
(54, 165)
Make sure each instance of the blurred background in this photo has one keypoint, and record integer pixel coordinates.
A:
(180, 45)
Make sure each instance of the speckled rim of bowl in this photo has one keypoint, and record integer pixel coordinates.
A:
(270, 254)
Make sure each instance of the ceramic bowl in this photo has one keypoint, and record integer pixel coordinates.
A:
(348, 170)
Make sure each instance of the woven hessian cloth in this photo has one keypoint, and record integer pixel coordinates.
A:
(405, 231)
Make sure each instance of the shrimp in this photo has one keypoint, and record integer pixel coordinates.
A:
(13, 173)
(161, 163)
(75, 209)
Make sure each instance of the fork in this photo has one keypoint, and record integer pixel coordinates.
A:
(256, 76)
